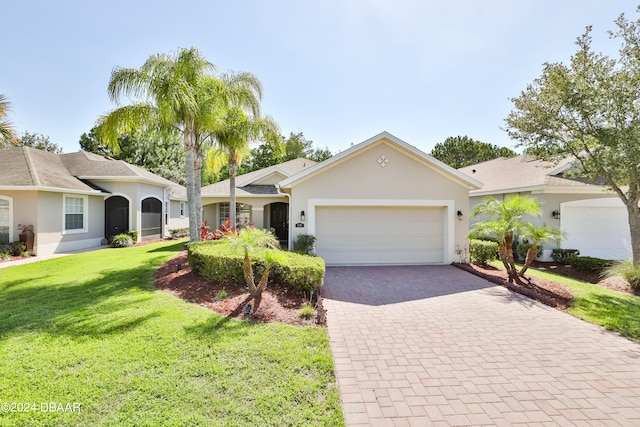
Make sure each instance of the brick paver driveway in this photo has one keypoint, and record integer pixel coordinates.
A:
(434, 345)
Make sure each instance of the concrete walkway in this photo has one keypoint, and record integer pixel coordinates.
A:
(434, 345)
(32, 259)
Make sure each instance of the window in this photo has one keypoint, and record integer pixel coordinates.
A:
(166, 213)
(243, 213)
(75, 214)
(5, 221)
(182, 209)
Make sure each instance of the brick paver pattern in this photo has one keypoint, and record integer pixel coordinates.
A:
(434, 345)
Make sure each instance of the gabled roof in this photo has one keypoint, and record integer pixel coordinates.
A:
(437, 165)
(524, 173)
(26, 167)
(245, 183)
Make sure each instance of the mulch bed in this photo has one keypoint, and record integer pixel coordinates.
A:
(273, 305)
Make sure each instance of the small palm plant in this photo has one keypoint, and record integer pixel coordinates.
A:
(537, 235)
(248, 240)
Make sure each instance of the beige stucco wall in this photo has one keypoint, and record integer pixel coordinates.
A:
(25, 210)
(404, 180)
(175, 219)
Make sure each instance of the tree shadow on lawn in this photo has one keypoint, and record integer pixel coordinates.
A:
(614, 313)
(175, 248)
(77, 309)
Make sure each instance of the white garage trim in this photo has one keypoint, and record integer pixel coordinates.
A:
(448, 214)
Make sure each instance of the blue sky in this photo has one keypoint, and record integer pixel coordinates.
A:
(338, 71)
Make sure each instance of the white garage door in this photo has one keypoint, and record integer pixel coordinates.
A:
(598, 228)
(357, 235)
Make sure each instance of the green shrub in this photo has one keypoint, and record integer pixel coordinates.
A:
(5, 251)
(222, 294)
(179, 233)
(483, 251)
(627, 270)
(562, 255)
(216, 261)
(303, 244)
(587, 263)
(307, 311)
(134, 235)
(18, 249)
(523, 248)
(123, 240)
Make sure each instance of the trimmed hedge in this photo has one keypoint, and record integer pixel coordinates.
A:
(215, 260)
(482, 251)
(587, 263)
(178, 233)
(123, 240)
(562, 255)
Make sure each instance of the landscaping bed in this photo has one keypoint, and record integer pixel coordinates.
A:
(275, 304)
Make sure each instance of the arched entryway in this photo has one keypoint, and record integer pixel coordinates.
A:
(116, 216)
(151, 219)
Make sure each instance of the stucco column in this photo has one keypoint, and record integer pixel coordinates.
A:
(257, 216)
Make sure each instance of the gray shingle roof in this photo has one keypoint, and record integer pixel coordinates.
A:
(524, 171)
(244, 183)
(29, 167)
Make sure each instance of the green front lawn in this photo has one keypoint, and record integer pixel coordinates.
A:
(92, 329)
(616, 311)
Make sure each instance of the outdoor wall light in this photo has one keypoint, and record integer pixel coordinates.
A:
(555, 214)
(460, 215)
(301, 215)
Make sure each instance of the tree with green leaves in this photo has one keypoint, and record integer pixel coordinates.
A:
(279, 149)
(160, 153)
(461, 151)
(177, 93)
(503, 220)
(38, 141)
(588, 109)
(238, 129)
(7, 132)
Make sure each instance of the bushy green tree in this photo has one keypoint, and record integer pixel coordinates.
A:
(461, 151)
(38, 141)
(589, 109)
(159, 152)
(7, 132)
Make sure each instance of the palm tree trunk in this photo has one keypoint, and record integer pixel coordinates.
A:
(506, 255)
(248, 274)
(232, 191)
(532, 253)
(263, 280)
(197, 175)
(189, 160)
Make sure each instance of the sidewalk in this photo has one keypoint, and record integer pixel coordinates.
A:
(31, 259)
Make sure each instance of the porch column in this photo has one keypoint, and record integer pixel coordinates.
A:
(257, 216)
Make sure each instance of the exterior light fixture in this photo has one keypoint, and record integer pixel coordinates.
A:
(555, 214)
(301, 215)
(460, 215)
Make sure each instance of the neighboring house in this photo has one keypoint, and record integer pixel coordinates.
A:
(76, 200)
(592, 218)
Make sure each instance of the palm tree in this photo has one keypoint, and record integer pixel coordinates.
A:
(248, 240)
(233, 139)
(7, 133)
(536, 235)
(503, 220)
(181, 93)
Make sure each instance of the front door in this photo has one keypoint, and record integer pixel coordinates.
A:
(280, 221)
(116, 214)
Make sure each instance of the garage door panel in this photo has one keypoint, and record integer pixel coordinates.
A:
(380, 235)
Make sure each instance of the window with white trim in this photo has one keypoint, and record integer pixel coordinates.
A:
(75, 214)
(243, 213)
(5, 221)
